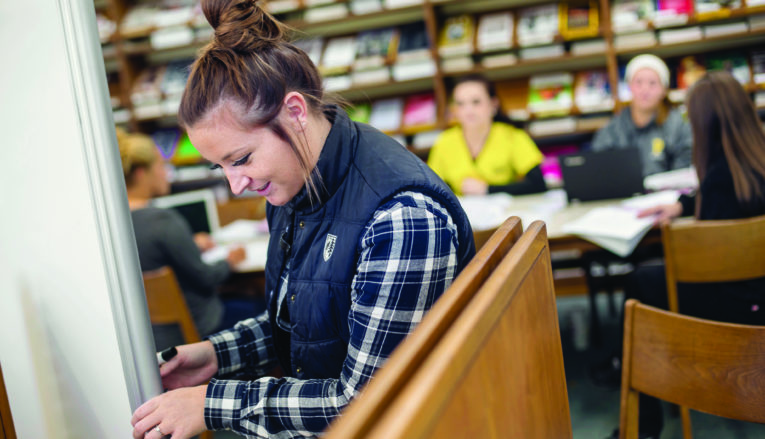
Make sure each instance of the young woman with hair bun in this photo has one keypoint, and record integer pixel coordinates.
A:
(364, 239)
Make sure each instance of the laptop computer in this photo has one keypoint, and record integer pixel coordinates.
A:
(602, 175)
(197, 207)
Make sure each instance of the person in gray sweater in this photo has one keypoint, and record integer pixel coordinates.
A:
(164, 238)
(661, 134)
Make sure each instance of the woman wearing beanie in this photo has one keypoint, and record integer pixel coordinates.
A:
(649, 124)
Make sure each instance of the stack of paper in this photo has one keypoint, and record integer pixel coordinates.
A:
(618, 228)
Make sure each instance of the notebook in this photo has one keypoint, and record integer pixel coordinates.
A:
(602, 175)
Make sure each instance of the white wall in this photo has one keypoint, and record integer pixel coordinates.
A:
(73, 326)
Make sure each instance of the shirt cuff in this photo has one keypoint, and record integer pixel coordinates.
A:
(223, 404)
(226, 348)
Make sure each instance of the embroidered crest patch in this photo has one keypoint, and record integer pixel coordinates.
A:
(329, 246)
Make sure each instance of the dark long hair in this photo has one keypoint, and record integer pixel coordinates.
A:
(491, 89)
(251, 66)
(723, 117)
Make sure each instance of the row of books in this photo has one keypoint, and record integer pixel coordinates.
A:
(414, 113)
(157, 90)
(313, 11)
(637, 15)
(649, 38)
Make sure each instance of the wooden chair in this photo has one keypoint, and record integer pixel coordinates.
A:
(481, 236)
(361, 415)
(7, 431)
(166, 302)
(708, 366)
(252, 208)
(498, 369)
(711, 251)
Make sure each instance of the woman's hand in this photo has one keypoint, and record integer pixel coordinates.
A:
(664, 213)
(235, 256)
(204, 241)
(195, 364)
(177, 413)
(474, 186)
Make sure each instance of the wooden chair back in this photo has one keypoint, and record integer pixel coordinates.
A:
(167, 304)
(363, 412)
(7, 431)
(708, 366)
(480, 237)
(498, 370)
(252, 208)
(713, 251)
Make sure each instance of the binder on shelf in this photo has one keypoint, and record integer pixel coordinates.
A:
(338, 56)
(537, 25)
(672, 13)
(386, 114)
(635, 40)
(395, 4)
(282, 6)
(495, 31)
(413, 60)
(361, 7)
(456, 36)
(334, 11)
(554, 126)
(592, 92)
(313, 47)
(499, 60)
(425, 139)
(718, 30)
(680, 35)
(419, 112)
(540, 52)
(172, 36)
(578, 19)
(360, 112)
(733, 62)
(338, 82)
(458, 64)
(588, 47)
(371, 76)
(715, 9)
(631, 15)
(375, 48)
(550, 94)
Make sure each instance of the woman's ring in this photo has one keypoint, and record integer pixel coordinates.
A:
(156, 428)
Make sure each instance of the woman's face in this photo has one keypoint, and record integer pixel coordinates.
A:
(473, 105)
(158, 176)
(253, 159)
(647, 90)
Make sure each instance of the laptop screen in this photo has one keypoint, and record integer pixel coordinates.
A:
(602, 175)
(197, 207)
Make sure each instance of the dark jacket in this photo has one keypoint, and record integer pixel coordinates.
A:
(360, 170)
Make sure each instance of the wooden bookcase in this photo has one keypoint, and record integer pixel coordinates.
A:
(127, 55)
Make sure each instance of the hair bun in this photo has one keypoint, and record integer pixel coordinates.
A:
(242, 25)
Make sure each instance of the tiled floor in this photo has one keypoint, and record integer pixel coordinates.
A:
(594, 410)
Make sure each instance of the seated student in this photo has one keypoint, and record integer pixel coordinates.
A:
(164, 239)
(485, 153)
(729, 157)
(660, 133)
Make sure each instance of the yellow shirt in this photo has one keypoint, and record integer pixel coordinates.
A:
(507, 156)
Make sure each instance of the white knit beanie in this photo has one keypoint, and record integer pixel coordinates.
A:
(648, 62)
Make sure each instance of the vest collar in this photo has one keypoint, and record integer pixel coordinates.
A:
(333, 165)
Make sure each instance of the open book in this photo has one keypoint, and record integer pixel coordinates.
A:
(617, 228)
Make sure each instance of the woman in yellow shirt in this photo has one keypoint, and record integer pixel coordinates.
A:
(485, 153)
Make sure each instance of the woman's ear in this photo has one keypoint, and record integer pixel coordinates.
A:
(296, 110)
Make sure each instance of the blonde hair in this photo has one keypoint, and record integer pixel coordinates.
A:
(136, 151)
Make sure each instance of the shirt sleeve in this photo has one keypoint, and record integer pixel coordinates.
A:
(605, 138)
(185, 258)
(408, 258)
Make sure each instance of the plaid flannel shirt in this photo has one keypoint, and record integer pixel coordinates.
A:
(408, 259)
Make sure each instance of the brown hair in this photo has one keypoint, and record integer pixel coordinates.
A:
(250, 65)
(491, 89)
(724, 118)
(136, 151)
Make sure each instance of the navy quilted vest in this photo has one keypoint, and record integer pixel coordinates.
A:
(361, 169)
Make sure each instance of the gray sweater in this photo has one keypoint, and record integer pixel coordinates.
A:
(165, 239)
(662, 148)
